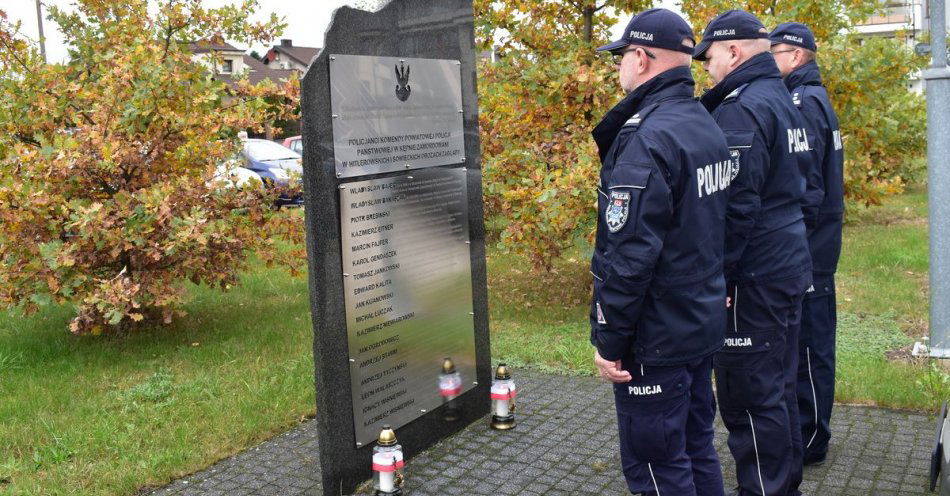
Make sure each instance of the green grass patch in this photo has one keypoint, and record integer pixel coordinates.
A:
(108, 415)
(865, 375)
(884, 261)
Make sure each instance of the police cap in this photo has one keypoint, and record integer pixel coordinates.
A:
(794, 33)
(730, 25)
(658, 28)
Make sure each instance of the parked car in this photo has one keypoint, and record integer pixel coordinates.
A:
(295, 143)
(274, 164)
(232, 175)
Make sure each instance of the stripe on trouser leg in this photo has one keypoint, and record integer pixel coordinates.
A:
(755, 445)
(813, 395)
(650, 468)
(735, 309)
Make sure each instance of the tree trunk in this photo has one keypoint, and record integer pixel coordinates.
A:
(588, 24)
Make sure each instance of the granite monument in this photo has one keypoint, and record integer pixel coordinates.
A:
(395, 232)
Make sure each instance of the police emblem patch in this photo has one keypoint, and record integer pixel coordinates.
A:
(617, 210)
(735, 154)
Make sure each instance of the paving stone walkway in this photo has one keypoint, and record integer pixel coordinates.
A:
(566, 443)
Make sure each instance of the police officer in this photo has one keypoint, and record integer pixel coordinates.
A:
(657, 314)
(767, 264)
(793, 46)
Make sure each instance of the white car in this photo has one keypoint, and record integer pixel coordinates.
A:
(232, 175)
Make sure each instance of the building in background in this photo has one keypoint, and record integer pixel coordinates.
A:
(232, 60)
(286, 56)
(908, 19)
(232, 64)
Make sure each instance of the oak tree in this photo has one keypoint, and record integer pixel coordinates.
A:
(107, 197)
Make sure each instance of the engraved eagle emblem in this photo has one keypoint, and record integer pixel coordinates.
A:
(402, 82)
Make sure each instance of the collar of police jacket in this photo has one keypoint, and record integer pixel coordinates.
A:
(806, 75)
(674, 83)
(758, 67)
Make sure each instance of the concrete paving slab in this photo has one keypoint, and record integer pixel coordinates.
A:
(566, 443)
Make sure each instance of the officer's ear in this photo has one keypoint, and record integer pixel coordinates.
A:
(735, 54)
(643, 61)
(799, 57)
(803, 56)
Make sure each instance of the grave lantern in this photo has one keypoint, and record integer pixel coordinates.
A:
(450, 386)
(503, 394)
(387, 464)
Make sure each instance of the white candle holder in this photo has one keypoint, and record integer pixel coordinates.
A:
(503, 393)
(387, 464)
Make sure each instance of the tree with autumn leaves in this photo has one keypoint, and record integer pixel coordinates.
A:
(547, 88)
(107, 197)
(883, 124)
(538, 101)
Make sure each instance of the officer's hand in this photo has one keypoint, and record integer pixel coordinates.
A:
(728, 301)
(611, 370)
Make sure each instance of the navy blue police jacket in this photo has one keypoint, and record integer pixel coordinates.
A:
(823, 215)
(765, 232)
(659, 292)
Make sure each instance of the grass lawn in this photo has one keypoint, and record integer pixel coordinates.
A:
(109, 415)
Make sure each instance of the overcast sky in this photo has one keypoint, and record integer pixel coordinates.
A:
(306, 20)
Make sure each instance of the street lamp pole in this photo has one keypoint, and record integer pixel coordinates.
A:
(937, 79)
(39, 22)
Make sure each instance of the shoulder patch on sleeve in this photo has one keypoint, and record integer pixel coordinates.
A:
(617, 210)
(739, 141)
(627, 179)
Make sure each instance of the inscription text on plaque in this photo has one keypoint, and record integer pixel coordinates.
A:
(408, 293)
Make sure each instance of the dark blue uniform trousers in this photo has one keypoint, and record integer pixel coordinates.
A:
(816, 368)
(665, 416)
(756, 382)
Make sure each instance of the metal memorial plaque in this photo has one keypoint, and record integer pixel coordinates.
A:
(392, 113)
(408, 293)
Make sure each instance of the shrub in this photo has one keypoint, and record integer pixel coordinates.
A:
(106, 198)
